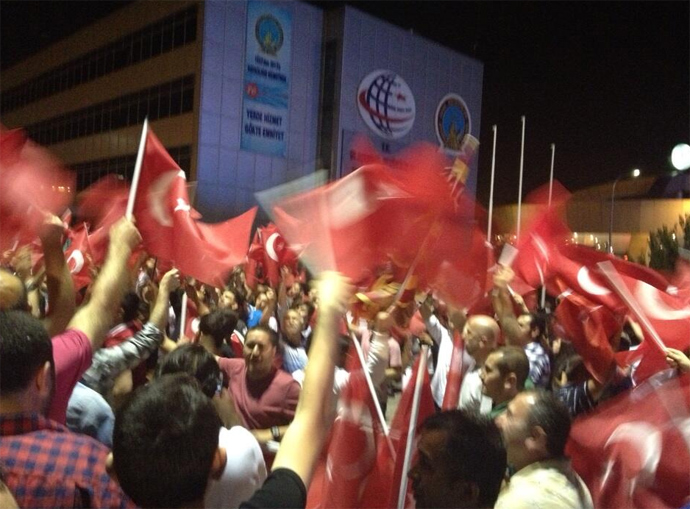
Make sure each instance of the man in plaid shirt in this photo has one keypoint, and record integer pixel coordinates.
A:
(46, 465)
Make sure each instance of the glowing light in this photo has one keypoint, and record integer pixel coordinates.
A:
(636, 173)
(680, 156)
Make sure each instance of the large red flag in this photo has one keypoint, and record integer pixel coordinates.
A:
(168, 226)
(634, 451)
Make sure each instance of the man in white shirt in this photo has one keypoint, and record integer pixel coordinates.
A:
(535, 429)
(480, 335)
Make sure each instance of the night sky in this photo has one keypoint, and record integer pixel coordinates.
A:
(607, 82)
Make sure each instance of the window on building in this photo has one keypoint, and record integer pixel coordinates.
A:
(174, 31)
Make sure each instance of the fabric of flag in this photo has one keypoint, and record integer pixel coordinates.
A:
(269, 252)
(634, 451)
(669, 317)
(33, 182)
(383, 485)
(78, 257)
(351, 455)
(590, 327)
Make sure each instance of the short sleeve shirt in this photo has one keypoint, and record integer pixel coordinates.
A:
(72, 356)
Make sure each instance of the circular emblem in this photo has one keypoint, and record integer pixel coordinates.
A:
(386, 104)
(269, 34)
(452, 122)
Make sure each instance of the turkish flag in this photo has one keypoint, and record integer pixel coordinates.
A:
(659, 314)
(169, 227)
(78, 256)
(376, 214)
(269, 251)
(351, 454)
(537, 249)
(589, 327)
(383, 486)
(33, 182)
(634, 451)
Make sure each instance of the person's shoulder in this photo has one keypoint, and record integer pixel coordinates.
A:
(231, 365)
(282, 377)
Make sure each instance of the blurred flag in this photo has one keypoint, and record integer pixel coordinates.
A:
(33, 182)
(634, 451)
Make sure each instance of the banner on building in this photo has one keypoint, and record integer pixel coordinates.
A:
(266, 79)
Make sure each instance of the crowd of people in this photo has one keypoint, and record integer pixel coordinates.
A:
(120, 402)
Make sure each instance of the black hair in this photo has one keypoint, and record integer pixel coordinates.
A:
(240, 300)
(551, 414)
(272, 335)
(164, 441)
(310, 308)
(25, 347)
(218, 324)
(197, 362)
(473, 451)
(513, 359)
(539, 321)
(130, 306)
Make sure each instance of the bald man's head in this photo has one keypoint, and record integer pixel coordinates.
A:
(12, 292)
(480, 335)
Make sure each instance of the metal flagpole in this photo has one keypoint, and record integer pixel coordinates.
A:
(522, 160)
(137, 169)
(553, 152)
(491, 191)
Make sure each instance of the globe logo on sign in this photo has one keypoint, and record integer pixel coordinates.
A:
(386, 104)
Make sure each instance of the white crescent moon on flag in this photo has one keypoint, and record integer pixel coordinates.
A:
(645, 439)
(356, 415)
(589, 286)
(656, 308)
(75, 262)
(270, 246)
(157, 197)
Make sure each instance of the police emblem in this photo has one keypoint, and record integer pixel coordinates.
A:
(269, 34)
(453, 123)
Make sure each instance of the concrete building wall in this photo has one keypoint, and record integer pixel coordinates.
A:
(228, 176)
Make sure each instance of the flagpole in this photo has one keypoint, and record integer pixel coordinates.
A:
(372, 391)
(183, 314)
(553, 153)
(612, 275)
(137, 169)
(522, 160)
(413, 425)
(491, 190)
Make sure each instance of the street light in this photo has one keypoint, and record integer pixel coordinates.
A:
(680, 157)
(634, 174)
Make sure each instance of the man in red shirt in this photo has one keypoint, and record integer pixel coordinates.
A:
(265, 396)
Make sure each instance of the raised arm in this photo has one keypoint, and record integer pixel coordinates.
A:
(95, 318)
(306, 435)
(503, 307)
(58, 277)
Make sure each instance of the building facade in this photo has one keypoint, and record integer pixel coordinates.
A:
(245, 95)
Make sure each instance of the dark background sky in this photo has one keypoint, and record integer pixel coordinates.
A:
(607, 82)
